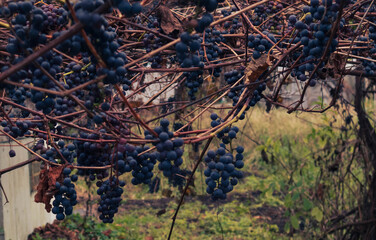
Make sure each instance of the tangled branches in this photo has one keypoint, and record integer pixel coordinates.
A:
(110, 87)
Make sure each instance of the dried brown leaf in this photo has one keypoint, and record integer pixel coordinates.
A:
(256, 68)
(169, 22)
(46, 186)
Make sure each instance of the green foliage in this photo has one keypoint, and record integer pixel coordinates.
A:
(90, 227)
(305, 174)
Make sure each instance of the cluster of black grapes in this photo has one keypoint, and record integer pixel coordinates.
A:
(369, 67)
(28, 24)
(169, 152)
(91, 153)
(204, 22)
(18, 95)
(222, 171)
(105, 40)
(227, 134)
(314, 32)
(231, 26)
(141, 165)
(212, 51)
(256, 96)
(187, 49)
(195, 56)
(232, 77)
(190, 57)
(366, 45)
(126, 8)
(210, 5)
(19, 129)
(178, 125)
(235, 92)
(65, 196)
(110, 191)
(151, 42)
(263, 11)
(193, 81)
(56, 16)
(259, 44)
(107, 44)
(67, 150)
(207, 18)
(64, 154)
(50, 62)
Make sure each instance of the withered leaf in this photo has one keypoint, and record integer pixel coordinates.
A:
(256, 68)
(46, 186)
(54, 231)
(169, 22)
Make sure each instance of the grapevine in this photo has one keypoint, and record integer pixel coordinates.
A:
(80, 79)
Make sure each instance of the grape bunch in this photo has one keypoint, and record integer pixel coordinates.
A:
(232, 77)
(212, 51)
(210, 5)
(128, 9)
(190, 57)
(151, 42)
(235, 93)
(204, 22)
(57, 17)
(222, 171)
(141, 165)
(227, 134)
(18, 129)
(45, 102)
(369, 67)
(193, 81)
(29, 33)
(28, 26)
(110, 192)
(65, 196)
(207, 18)
(313, 32)
(61, 154)
(170, 151)
(91, 153)
(260, 45)
(187, 49)
(234, 25)
(264, 11)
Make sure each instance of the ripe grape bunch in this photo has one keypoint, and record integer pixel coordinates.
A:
(65, 197)
(169, 152)
(110, 192)
(221, 171)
